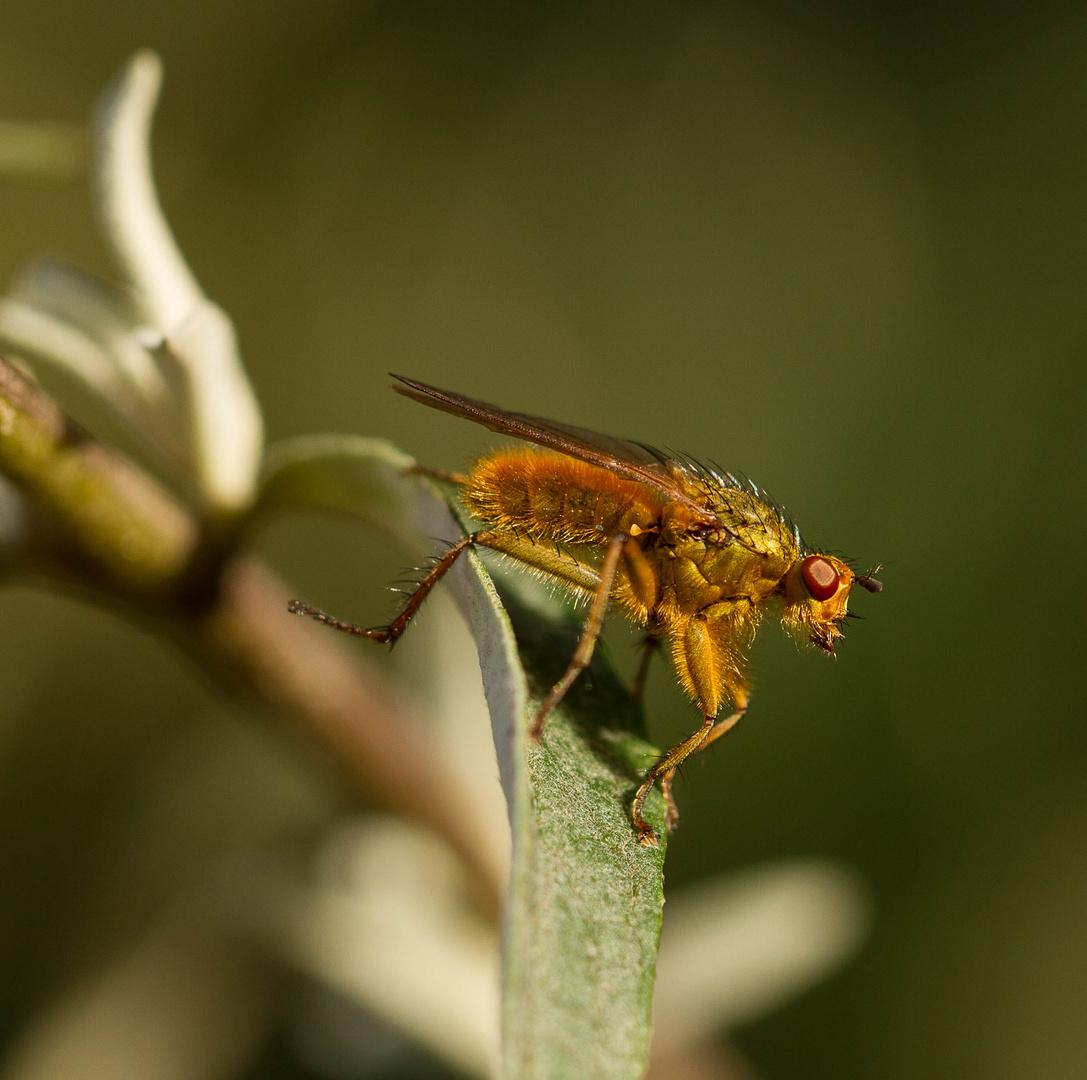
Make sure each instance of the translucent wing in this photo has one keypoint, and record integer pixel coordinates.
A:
(630, 459)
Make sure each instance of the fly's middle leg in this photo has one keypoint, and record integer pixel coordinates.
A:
(590, 633)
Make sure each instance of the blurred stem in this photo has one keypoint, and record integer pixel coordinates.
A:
(114, 529)
(319, 682)
(118, 525)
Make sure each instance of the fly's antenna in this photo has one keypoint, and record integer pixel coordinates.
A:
(867, 581)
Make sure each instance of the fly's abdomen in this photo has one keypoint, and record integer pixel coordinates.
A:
(555, 498)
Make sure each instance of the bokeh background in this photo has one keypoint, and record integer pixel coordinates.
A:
(841, 248)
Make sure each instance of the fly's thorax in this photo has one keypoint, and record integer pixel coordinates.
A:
(556, 499)
(815, 595)
(755, 523)
(735, 567)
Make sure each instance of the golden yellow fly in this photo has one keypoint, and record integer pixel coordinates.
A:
(688, 552)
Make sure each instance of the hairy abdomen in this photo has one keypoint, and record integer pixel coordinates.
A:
(557, 499)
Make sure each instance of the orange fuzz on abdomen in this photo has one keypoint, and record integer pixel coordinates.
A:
(556, 498)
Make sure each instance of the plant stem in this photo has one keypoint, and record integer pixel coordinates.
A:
(111, 528)
(321, 685)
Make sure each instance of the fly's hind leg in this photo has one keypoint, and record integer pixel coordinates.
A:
(399, 624)
(440, 475)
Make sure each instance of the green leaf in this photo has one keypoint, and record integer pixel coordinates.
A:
(585, 899)
(584, 905)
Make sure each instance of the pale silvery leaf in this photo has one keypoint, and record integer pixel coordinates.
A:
(343, 474)
(503, 679)
(104, 312)
(197, 347)
(368, 478)
(737, 947)
(128, 207)
(390, 926)
(96, 389)
(584, 899)
(155, 351)
(199, 358)
(41, 336)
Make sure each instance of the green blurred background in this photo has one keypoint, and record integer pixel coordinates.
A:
(841, 248)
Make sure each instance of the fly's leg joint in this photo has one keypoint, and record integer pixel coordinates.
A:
(666, 767)
(665, 770)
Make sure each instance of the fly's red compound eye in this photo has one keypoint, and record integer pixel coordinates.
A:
(820, 577)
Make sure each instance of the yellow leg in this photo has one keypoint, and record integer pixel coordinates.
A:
(590, 634)
(665, 767)
(722, 727)
(665, 771)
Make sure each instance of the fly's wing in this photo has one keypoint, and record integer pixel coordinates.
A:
(621, 456)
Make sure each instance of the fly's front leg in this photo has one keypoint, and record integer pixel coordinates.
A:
(664, 770)
(590, 633)
(721, 727)
(702, 660)
(399, 624)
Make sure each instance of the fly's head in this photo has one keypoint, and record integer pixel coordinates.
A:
(815, 598)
